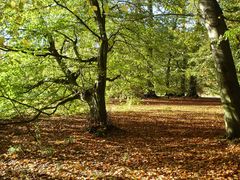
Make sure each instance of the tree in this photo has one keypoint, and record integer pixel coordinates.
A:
(57, 41)
(96, 97)
(226, 72)
(192, 91)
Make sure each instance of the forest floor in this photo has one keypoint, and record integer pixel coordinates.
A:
(159, 139)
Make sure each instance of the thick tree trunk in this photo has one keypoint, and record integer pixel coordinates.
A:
(96, 97)
(90, 96)
(226, 71)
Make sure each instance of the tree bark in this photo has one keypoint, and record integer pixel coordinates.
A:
(192, 92)
(226, 71)
(150, 86)
(96, 97)
(182, 69)
(168, 74)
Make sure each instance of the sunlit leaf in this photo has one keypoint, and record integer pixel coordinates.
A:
(13, 4)
(106, 8)
(25, 43)
(94, 8)
(2, 40)
(124, 8)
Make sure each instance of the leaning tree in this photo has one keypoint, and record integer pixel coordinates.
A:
(226, 71)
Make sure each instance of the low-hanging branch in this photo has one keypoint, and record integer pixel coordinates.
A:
(33, 52)
(23, 104)
(20, 120)
(52, 80)
(24, 120)
(25, 51)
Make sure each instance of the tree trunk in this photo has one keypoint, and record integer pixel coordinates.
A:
(150, 86)
(183, 68)
(192, 92)
(96, 97)
(168, 74)
(226, 71)
(101, 83)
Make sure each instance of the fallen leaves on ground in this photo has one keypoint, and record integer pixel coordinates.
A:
(157, 139)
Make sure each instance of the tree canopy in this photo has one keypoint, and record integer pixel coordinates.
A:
(59, 56)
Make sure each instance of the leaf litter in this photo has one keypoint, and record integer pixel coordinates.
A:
(158, 139)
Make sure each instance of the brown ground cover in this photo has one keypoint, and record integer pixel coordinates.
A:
(159, 139)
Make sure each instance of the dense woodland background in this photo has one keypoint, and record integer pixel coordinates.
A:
(155, 48)
(59, 56)
(132, 73)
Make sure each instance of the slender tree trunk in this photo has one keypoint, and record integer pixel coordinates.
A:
(183, 86)
(226, 71)
(168, 75)
(150, 86)
(183, 68)
(101, 82)
(192, 92)
(184, 62)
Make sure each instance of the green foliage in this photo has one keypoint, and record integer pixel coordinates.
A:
(143, 42)
(47, 151)
(15, 149)
(132, 101)
(69, 140)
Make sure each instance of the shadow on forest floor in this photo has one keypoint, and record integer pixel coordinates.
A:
(158, 139)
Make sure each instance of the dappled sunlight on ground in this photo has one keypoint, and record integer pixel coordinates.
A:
(159, 139)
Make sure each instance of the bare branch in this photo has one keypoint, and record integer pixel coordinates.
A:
(63, 44)
(23, 104)
(52, 80)
(113, 79)
(114, 35)
(25, 51)
(24, 120)
(20, 120)
(66, 36)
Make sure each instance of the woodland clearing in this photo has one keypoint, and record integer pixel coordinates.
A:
(156, 139)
